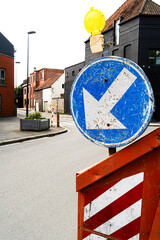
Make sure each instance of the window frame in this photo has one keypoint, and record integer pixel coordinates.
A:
(154, 57)
(73, 73)
(0, 103)
(41, 76)
(2, 78)
(116, 39)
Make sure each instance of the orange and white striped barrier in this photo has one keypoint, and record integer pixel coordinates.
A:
(119, 197)
(53, 105)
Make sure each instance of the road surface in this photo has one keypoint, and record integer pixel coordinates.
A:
(38, 199)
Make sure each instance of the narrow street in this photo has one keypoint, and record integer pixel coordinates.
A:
(38, 198)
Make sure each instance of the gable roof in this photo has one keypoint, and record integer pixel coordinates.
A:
(47, 83)
(132, 8)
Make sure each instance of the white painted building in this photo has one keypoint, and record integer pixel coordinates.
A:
(54, 95)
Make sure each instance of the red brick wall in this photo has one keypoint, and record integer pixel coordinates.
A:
(24, 96)
(50, 72)
(7, 92)
(38, 98)
(32, 86)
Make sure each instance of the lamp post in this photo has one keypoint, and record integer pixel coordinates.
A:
(16, 74)
(31, 32)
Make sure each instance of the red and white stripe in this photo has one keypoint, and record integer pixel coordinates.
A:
(52, 116)
(115, 209)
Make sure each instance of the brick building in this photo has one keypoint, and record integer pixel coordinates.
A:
(37, 80)
(7, 106)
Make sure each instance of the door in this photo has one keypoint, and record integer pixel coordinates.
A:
(37, 106)
(46, 106)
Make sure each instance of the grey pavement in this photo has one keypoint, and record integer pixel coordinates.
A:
(10, 130)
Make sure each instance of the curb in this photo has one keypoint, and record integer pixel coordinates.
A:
(23, 139)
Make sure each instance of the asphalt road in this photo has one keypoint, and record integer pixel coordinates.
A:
(37, 185)
(38, 200)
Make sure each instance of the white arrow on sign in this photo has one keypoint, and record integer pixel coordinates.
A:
(97, 113)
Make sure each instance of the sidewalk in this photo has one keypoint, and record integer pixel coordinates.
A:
(10, 131)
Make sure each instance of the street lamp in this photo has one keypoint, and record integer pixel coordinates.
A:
(31, 32)
(16, 74)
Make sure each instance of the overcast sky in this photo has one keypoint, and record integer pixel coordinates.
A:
(59, 26)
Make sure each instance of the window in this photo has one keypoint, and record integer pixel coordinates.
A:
(66, 74)
(115, 52)
(0, 103)
(63, 85)
(41, 74)
(154, 56)
(127, 51)
(2, 77)
(116, 32)
(73, 73)
(37, 77)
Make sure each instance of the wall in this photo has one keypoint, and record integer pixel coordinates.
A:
(46, 96)
(89, 56)
(32, 86)
(24, 96)
(7, 92)
(38, 98)
(70, 74)
(58, 87)
(150, 39)
(51, 94)
(129, 35)
(59, 105)
(49, 72)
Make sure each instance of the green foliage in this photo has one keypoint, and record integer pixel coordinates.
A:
(19, 91)
(35, 115)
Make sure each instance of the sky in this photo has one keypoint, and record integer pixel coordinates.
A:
(59, 26)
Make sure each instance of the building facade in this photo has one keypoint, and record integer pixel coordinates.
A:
(52, 92)
(133, 32)
(70, 74)
(38, 80)
(7, 100)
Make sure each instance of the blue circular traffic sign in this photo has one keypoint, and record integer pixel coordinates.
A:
(111, 101)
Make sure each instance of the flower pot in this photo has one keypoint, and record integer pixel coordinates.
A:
(34, 124)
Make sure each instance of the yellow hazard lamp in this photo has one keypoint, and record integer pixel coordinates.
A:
(94, 23)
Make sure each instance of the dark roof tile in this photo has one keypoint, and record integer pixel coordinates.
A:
(132, 8)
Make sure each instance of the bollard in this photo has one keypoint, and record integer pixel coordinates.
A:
(58, 120)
